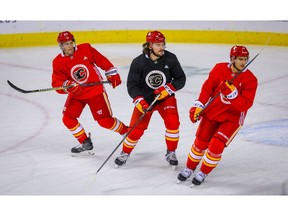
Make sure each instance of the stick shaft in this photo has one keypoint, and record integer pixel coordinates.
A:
(51, 89)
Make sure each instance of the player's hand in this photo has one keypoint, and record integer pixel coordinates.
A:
(195, 110)
(73, 88)
(228, 90)
(165, 91)
(114, 80)
(140, 104)
(113, 77)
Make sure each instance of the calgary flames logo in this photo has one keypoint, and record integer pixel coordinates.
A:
(155, 79)
(80, 73)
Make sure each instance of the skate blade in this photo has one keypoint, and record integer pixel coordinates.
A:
(83, 154)
(118, 166)
(192, 185)
(173, 167)
(179, 181)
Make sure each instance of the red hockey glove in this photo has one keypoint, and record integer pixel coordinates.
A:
(114, 80)
(228, 90)
(75, 87)
(113, 77)
(195, 110)
(165, 91)
(140, 104)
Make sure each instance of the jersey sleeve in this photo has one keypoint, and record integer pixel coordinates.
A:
(58, 77)
(100, 60)
(247, 94)
(134, 80)
(209, 86)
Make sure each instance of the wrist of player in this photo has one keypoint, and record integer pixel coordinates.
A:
(195, 111)
(71, 87)
(229, 90)
(114, 80)
(165, 91)
(113, 77)
(140, 104)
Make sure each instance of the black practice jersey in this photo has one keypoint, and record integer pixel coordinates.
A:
(146, 75)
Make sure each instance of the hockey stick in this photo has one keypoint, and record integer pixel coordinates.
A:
(132, 128)
(52, 89)
(232, 80)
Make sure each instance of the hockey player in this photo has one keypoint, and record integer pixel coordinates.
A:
(75, 65)
(223, 118)
(156, 71)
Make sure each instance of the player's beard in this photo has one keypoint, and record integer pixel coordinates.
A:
(159, 54)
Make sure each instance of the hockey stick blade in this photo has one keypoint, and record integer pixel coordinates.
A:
(16, 88)
(35, 90)
(51, 89)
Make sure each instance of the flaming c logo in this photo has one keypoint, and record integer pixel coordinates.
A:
(80, 73)
(155, 79)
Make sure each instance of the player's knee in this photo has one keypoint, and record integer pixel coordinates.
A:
(201, 144)
(216, 145)
(69, 122)
(106, 122)
(172, 122)
(136, 133)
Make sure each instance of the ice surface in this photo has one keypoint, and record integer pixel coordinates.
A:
(35, 146)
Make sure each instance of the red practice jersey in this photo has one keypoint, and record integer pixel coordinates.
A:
(81, 68)
(222, 109)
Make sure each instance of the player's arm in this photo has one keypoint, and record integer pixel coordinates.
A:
(60, 78)
(134, 86)
(246, 96)
(178, 81)
(207, 91)
(111, 72)
(134, 79)
(208, 88)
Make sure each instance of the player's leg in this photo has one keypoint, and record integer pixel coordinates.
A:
(169, 113)
(134, 136)
(71, 112)
(221, 139)
(204, 133)
(102, 113)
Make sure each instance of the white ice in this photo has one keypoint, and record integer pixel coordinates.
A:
(35, 146)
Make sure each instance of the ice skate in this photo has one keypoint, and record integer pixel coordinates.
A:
(121, 159)
(184, 175)
(171, 159)
(198, 179)
(84, 149)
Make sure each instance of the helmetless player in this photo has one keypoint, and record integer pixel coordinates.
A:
(155, 72)
(223, 118)
(75, 65)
